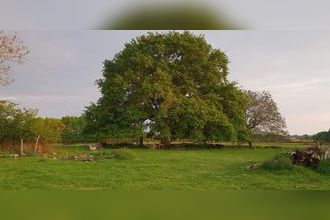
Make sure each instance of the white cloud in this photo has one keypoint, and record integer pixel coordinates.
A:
(8, 98)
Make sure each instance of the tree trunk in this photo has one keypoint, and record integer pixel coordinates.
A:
(36, 146)
(165, 142)
(250, 144)
(141, 141)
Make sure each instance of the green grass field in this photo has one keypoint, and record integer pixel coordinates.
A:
(195, 169)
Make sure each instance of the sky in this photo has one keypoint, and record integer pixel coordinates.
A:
(58, 77)
(90, 14)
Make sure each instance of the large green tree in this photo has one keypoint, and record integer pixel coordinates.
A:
(173, 84)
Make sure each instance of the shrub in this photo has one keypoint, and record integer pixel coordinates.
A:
(122, 154)
(324, 166)
(310, 157)
(279, 162)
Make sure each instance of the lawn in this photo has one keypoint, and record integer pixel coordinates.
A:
(194, 169)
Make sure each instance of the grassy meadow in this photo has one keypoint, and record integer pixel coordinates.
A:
(145, 169)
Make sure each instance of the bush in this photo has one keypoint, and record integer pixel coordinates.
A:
(122, 154)
(279, 162)
(310, 157)
(324, 166)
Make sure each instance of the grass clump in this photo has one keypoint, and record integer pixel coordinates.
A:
(40, 160)
(122, 154)
(279, 162)
(324, 166)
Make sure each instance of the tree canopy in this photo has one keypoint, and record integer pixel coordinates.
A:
(263, 116)
(17, 124)
(73, 131)
(323, 136)
(11, 50)
(174, 85)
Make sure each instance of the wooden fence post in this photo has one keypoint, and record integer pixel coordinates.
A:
(22, 147)
(36, 146)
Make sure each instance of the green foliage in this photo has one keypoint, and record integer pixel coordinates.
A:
(324, 166)
(15, 123)
(49, 129)
(173, 85)
(122, 154)
(279, 162)
(73, 131)
(323, 137)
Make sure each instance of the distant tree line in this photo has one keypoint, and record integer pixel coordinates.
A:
(323, 137)
(17, 123)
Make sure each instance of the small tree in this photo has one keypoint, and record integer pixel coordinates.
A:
(11, 50)
(263, 116)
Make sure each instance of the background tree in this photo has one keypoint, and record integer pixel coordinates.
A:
(17, 124)
(323, 137)
(263, 116)
(48, 129)
(11, 50)
(174, 85)
(73, 129)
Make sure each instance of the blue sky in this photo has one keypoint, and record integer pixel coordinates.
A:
(59, 74)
